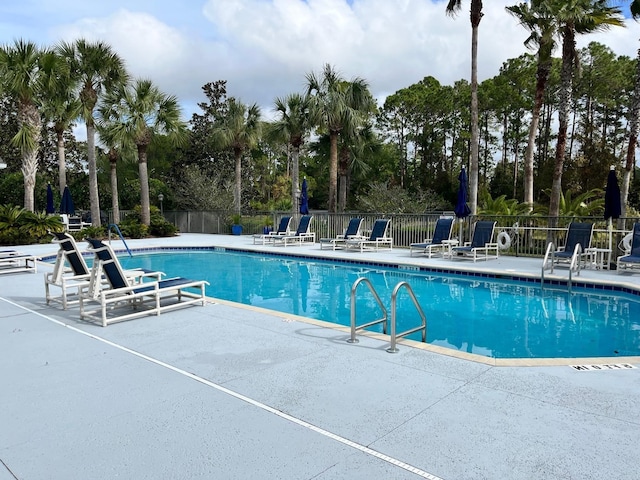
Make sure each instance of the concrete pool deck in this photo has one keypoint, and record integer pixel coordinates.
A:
(228, 392)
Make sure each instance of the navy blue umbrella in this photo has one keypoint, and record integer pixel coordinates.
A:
(462, 210)
(304, 199)
(66, 205)
(50, 207)
(612, 206)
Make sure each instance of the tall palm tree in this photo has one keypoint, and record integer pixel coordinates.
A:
(536, 17)
(573, 17)
(133, 115)
(23, 74)
(98, 70)
(340, 105)
(62, 108)
(295, 121)
(634, 124)
(239, 130)
(453, 7)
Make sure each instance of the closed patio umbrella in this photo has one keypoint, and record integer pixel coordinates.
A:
(304, 199)
(461, 209)
(50, 207)
(66, 204)
(612, 204)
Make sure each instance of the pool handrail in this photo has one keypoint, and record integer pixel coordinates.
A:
(383, 320)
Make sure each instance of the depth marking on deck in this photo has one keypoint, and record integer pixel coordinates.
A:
(603, 366)
(239, 396)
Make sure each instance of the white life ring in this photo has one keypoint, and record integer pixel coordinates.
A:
(626, 242)
(504, 240)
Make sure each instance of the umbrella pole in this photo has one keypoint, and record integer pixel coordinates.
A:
(610, 242)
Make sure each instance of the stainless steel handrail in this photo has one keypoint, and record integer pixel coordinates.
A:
(551, 248)
(394, 336)
(382, 320)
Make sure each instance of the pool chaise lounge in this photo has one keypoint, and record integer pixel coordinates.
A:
(283, 229)
(70, 272)
(574, 251)
(13, 261)
(352, 232)
(303, 234)
(119, 300)
(631, 260)
(481, 247)
(378, 238)
(441, 233)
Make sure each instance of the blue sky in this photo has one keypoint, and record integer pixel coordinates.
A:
(264, 48)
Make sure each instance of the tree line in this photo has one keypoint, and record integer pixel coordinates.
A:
(539, 118)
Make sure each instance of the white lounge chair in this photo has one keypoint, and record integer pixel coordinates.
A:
(283, 229)
(13, 261)
(302, 234)
(441, 233)
(376, 240)
(481, 247)
(574, 253)
(71, 272)
(352, 232)
(631, 260)
(122, 301)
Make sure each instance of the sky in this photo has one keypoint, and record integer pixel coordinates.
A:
(264, 48)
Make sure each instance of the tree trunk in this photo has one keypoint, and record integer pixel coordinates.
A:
(62, 163)
(343, 170)
(634, 122)
(476, 16)
(29, 116)
(333, 171)
(295, 178)
(94, 198)
(237, 191)
(115, 204)
(144, 185)
(568, 49)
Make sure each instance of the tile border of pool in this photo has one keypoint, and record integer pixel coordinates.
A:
(504, 362)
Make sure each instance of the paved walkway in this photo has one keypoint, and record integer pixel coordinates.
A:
(233, 393)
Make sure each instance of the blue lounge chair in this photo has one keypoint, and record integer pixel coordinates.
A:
(377, 239)
(574, 251)
(283, 229)
(121, 300)
(632, 259)
(302, 234)
(480, 247)
(352, 232)
(441, 233)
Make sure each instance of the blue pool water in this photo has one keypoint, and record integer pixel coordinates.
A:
(484, 316)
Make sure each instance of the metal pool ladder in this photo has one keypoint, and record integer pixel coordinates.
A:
(394, 335)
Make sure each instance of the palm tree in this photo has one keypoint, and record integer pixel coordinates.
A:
(634, 124)
(453, 7)
(239, 130)
(573, 17)
(98, 69)
(340, 106)
(23, 73)
(133, 115)
(295, 121)
(62, 108)
(536, 17)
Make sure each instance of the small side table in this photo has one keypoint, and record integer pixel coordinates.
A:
(600, 257)
(450, 244)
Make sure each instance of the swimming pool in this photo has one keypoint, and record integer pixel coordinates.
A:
(490, 317)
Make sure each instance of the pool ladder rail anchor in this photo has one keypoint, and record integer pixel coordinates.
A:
(394, 335)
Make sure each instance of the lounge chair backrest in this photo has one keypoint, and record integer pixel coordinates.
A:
(483, 233)
(303, 226)
(110, 264)
(578, 233)
(284, 225)
(353, 228)
(379, 229)
(75, 259)
(442, 230)
(635, 241)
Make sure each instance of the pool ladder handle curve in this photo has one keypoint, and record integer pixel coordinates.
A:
(394, 335)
